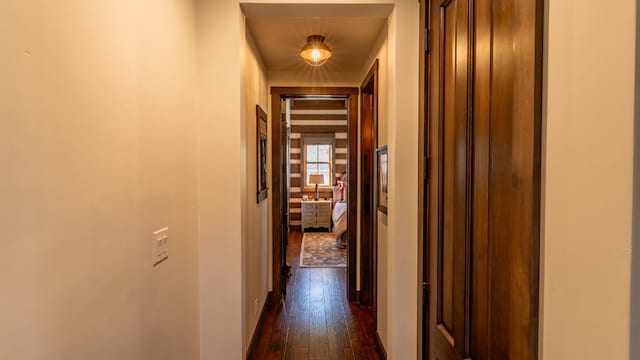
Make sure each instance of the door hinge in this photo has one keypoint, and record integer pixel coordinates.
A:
(425, 293)
(427, 48)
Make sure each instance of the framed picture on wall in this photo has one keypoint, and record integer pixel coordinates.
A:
(261, 152)
(382, 178)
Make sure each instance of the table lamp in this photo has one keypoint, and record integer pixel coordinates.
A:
(316, 179)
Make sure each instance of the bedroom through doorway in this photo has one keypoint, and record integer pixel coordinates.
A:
(317, 178)
(313, 160)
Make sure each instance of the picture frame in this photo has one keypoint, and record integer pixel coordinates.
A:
(261, 154)
(382, 178)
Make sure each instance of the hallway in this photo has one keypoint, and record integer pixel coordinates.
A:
(137, 223)
(316, 321)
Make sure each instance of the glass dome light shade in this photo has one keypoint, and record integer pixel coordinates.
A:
(315, 52)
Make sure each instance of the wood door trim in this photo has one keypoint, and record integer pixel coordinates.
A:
(382, 353)
(352, 194)
(368, 176)
(277, 93)
(373, 72)
(276, 220)
(470, 175)
(302, 91)
(256, 332)
(423, 186)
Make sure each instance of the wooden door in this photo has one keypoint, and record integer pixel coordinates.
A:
(368, 211)
(284, 196)
(452, 285)
(483, 203)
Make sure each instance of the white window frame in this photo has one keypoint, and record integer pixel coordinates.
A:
(322, 139)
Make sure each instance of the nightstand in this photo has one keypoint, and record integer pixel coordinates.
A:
(316, 214)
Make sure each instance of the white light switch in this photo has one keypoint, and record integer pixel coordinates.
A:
(160, 245)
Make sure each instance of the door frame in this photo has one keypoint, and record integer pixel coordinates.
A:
(368, 181)
(277, 93)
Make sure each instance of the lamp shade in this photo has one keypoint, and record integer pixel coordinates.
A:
(315, 52)
(316, 179)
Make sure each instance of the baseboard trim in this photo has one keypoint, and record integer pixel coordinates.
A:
(381, 351)
(256, 332)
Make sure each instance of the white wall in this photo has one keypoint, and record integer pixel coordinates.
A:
(587, 198)
(97, 150)
(256, 258)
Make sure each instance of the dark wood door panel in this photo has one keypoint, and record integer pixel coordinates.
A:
(450, 198)
(480, 331)
(443, 347)
(514, 178)
(483, 124)
(452, 282)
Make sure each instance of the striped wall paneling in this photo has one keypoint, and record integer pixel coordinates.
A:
(311, 117)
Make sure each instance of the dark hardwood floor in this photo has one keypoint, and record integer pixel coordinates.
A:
(315, 321)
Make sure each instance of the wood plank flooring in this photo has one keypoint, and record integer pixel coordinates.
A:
(315, 321)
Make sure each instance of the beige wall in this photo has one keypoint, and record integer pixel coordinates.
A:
(635, 246)
(222, 179)
(97, 150)
(255, 252)
(106, 138)
(402, 219)
(587, 190)
(317, 77)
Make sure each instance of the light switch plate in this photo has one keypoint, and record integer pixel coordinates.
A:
(160, 245)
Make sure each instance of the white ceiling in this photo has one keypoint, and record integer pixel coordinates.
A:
(279, 33)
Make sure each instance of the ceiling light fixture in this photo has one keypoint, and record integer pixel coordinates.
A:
(315, 52)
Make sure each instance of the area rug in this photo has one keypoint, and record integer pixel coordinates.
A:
(320, 250)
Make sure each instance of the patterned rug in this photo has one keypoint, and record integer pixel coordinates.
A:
(320, 250)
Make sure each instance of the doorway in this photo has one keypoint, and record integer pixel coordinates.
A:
(279, 176)
(481, 204)
(368, 212)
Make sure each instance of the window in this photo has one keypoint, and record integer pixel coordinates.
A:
(318, 159)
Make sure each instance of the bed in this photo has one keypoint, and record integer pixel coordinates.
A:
(339, 213)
